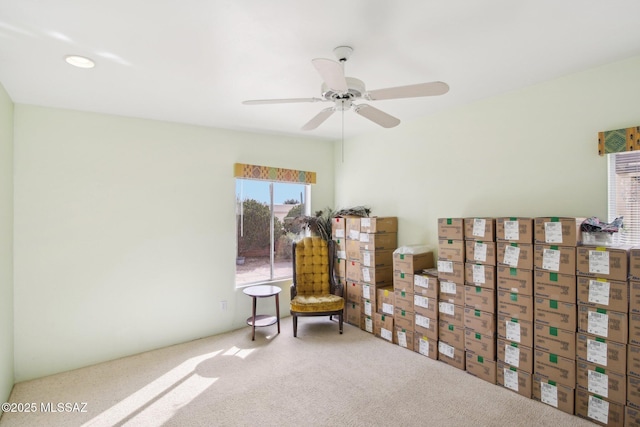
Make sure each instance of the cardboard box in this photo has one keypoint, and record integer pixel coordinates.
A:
(381, 258)
(515, 305)
(403, 300)
(425, 306)
(556, 313)
(559, 396)
(404, 338)
(385, 300)
(561, 287)
(603, 293)
(425, 346)
(482, 345)
(410, 263)
(341, 248)
(480, 321)
(608, 324)
(451, 334)
(378, 242)
(634, 263)
(338, 228)
(379, 224)
(376, 275)
(340, 268)
(451, 313)
(515, 255)
(426, 285)
(451, 292)
(451, 250)
(633, 392)
(426, 326)
(607, 354)
(451, 271)
(558, 259)
(352, 227)
(451, 355)
(404, 319)
(403, 281)
(603, 382)
(481, 367)
(480, 298)
(516, 330)
(556, 368)
(353, 313)
(451, 228)
(598, 410)
(483, 229)
(353, 250)
(634, 297)
(366, 323)
(603, 262)
(353, 271)
(383, 327)
(558, 231)
(480, 252)
(514, 379)
(631, 417)
(633, 360)
(480, 275)
(516, 280)
(354, 292)
(516, 355)
(369, 294)
(554, 340)
(634, 328)
(513, 229)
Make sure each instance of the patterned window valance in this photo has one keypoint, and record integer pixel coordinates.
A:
(617, 141)
(242, 170)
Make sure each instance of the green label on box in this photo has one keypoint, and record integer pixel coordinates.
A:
(555, 248)
(451, 327)
(515, 245)
(555, 219)
(403, 313)
(601, 310)
(553, 331)
(513, 369)
(514, 320)
(450, 242)
(480, 359)
(553, 277)
(402, 275)
(514, 297)
(513, 271)
(478, 290)
(403, 293)
(383, 317)
(514, 344)
(553, 358)
(599, 370)
(477, 313)
(478, 336)
(550, 382)
(553, 304)
(513, 219)
(600, 339)
(401, 256)
(449, 221)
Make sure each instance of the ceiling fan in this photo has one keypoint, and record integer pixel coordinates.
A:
(342, 91)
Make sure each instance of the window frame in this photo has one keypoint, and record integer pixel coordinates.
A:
(621, 167)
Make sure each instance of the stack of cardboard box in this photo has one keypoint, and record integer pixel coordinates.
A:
(555, 311)
(425, 306)
(352, 289)
(514, 238)
(603, 334)
(632, 412)
(451, 258)
(480, 298)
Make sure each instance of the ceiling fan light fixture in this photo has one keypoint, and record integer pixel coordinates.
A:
(79, 61)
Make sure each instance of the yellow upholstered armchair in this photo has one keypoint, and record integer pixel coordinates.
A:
(314, 291)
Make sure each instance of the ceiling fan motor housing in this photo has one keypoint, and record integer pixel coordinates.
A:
(356, 90)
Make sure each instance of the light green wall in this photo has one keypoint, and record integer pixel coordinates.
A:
(125, 232)
(531, 152)
(6, 245)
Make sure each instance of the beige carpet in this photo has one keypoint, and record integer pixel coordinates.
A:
(320, 378)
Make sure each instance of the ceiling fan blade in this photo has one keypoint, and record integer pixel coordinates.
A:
(280, 101)
(377, 116)
(332, 74)
(411, 91)
(318, 119)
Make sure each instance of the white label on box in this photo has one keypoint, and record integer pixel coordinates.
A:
(368, 324)
(478, 273)
(553, 232)
(422, 321)
(387, 308)
(366, 291)
(447, 308)
(511, 230)
(386, 334)
(448, 287)
(424, 346)
(446, 349)
(367, 308)
(599, 292)
(366, 259)
(421, 301)
(340, 233)
(366, 276)
(549, 394)
(598, 324)
(365, 222)
(479, 224)
(597, 352)
(342, 254)
(445, 266)
(599, 262)
(511, 256)
(480, 251)
(364, 237)
(511, 379)
(402, 339)
(598, 410)
(512, 355)
(422, 281)
(551, 260)
(513, 331)
(354, 234)
(598, 383)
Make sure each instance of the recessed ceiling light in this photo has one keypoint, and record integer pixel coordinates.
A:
(80, 61)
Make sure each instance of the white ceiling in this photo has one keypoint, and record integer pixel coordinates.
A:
(195, 61)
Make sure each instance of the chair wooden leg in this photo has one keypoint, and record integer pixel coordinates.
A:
(340, 321)
(295, 326)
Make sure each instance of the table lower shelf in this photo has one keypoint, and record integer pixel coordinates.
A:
(262, 320)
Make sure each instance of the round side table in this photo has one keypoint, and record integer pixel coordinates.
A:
(259, 320)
